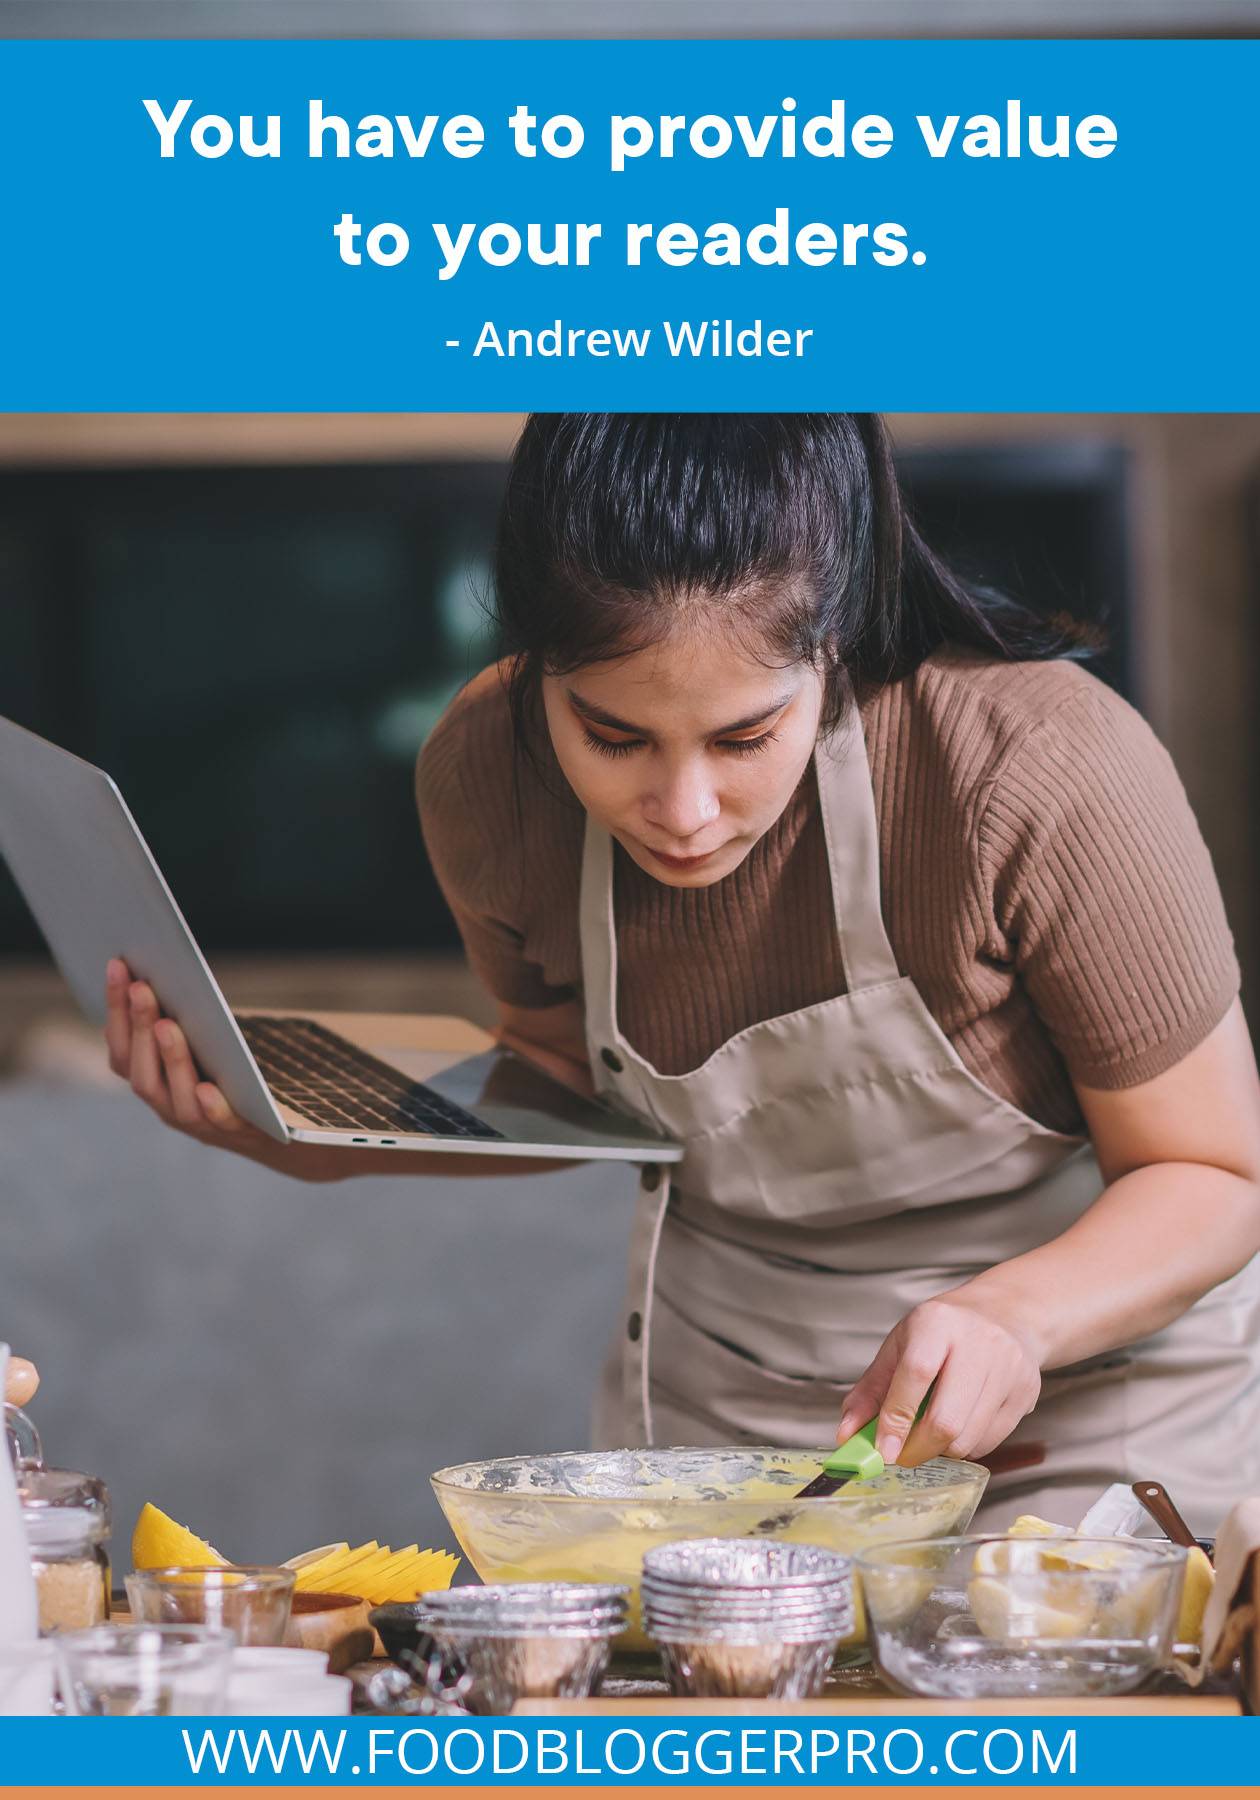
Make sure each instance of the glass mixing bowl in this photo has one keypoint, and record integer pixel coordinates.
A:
(590, 1515)
(979, 1617)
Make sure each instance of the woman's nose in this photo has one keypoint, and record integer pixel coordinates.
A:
(682, 805)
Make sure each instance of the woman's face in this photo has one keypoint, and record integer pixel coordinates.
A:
(686, 752)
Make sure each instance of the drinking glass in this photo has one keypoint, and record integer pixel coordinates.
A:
(143, 1671)
(253, 1603)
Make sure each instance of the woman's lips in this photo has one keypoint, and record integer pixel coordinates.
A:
(680, 863)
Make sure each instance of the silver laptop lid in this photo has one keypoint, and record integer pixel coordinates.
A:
(87, 874)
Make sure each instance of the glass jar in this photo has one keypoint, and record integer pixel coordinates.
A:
(66, 1518)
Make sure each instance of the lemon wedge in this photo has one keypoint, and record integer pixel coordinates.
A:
(159, 1543)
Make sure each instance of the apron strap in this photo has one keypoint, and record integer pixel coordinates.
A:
(598, 931)
(599, 984)
(846, 799)
(605, 1047)
(636, 1362)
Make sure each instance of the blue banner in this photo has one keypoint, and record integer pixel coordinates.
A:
(705, 225)
(636, 1752)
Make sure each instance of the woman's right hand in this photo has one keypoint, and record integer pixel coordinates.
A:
(152, 1054)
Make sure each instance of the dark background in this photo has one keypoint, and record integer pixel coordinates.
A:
(256, 654)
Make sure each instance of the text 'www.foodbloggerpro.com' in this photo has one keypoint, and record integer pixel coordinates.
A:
(480, 1750)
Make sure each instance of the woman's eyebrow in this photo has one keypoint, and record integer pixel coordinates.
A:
(598, 716)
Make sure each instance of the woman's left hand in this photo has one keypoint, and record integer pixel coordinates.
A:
(987, 1379)
(21, 1378)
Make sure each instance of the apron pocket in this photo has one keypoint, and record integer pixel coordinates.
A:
(783, 1315)
(737, 1399)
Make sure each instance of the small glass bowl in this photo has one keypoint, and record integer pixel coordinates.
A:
(251, 1602)
(990, 1617)
(143, 1671)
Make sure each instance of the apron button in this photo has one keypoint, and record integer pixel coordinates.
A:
(612, 1061)
(651, 1178)
(634, 1327)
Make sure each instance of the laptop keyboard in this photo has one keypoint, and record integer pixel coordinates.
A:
(331, 1082)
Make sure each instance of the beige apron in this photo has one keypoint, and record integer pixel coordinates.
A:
(841, 1165)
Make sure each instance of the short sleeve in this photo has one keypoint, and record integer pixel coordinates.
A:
(1105, 893)
(464, 798)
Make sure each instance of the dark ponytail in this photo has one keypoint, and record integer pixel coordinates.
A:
(791, 525)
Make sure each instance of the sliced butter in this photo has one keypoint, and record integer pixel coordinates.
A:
(1028, 1525)
(1200, 1577)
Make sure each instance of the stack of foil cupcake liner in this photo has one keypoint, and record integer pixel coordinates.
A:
(749, 1617)
(480, 1649)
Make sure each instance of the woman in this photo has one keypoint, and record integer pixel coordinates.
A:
(844, 874)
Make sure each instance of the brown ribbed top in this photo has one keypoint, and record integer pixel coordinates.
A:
(1044, 884)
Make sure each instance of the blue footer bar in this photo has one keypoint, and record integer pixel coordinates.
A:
(788, 1750)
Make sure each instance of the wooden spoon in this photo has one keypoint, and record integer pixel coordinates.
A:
(1154, 1497)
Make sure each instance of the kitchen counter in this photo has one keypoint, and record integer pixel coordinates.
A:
(629, 1692)
(1152, 1706)
(877, 1701)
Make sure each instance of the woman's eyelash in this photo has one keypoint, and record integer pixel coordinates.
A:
(740, 746)
(606, 747)
(751, 746)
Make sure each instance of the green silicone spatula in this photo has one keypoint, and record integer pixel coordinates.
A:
(856, 1459)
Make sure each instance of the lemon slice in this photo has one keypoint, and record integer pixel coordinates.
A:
(309, 1557)
(159, 1543)
(374, 1571)
(426, 1572)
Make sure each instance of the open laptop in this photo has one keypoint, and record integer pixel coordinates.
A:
(404, 1082)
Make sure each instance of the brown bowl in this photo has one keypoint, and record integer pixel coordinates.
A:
(337, 1623)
